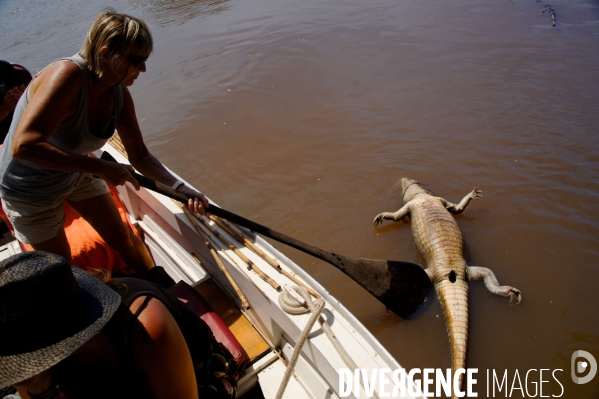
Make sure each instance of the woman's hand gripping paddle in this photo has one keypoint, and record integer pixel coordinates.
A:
(400, 286)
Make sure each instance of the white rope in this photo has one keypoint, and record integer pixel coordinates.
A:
(291, 304)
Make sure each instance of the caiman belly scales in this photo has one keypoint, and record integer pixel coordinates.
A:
(439, 243)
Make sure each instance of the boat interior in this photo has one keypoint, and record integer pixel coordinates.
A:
(237, 282)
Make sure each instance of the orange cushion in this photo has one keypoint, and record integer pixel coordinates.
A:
(88, 249)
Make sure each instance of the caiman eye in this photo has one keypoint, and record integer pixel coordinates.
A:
(452, 276)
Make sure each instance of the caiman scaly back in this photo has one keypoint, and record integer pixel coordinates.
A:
(440, 245)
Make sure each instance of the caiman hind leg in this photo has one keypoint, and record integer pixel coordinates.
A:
(459, 208)
(477, 273)
(395, 216)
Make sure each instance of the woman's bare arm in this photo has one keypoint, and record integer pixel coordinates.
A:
(54, 97)
(141, 158)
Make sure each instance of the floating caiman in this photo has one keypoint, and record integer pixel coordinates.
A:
(440, 245)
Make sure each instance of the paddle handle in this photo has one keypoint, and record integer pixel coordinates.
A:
(330, 257)
(151, 184)
(160, 188)
(231, 217)
(234, 218)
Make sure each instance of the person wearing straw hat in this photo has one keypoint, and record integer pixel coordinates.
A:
(65, 334)
(71, 108)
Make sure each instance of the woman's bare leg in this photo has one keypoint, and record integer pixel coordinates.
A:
(57, 245)
(102, 214)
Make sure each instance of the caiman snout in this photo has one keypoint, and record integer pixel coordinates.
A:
(405, 183)
(410, 188)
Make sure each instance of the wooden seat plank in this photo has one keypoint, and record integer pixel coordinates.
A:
(251, 341)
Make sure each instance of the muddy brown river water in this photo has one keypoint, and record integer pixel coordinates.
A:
(302, 115)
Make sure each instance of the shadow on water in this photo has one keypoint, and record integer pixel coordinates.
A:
(424, 307)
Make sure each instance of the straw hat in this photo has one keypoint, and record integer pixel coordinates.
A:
(48, 310)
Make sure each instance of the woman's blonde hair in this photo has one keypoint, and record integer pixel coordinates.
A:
(123, 34)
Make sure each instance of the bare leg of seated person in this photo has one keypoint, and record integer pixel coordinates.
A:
(102, 214)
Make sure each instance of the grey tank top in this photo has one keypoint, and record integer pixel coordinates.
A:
(24, 179)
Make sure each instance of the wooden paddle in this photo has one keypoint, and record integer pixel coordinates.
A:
(400, 286)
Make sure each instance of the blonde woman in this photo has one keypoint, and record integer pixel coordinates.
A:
(71, 108)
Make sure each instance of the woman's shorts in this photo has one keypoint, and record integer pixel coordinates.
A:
(37, 220)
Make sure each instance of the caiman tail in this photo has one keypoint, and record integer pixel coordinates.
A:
(454, 299)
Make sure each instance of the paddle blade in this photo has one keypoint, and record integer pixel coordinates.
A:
(400, 286)
(407, 288)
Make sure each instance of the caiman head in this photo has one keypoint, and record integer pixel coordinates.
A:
(410, 188)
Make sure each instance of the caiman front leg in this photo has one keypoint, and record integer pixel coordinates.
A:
(395, 216)
(477, 273)
(459, 208)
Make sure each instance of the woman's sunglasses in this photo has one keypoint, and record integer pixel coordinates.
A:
(136, 60)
